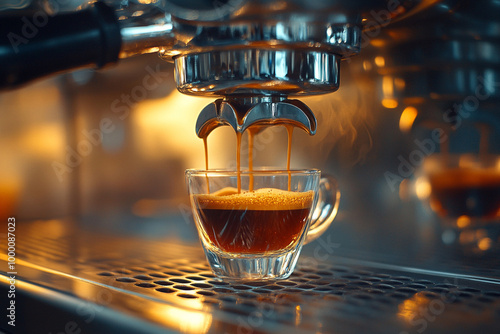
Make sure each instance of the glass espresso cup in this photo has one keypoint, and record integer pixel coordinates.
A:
(465, 185)
(253, 224)
(464, 191)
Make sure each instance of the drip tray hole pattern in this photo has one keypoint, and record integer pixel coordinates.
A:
(360, 291)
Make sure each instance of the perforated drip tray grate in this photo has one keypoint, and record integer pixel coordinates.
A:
(337, 283)
(333, 297)
(171, 286)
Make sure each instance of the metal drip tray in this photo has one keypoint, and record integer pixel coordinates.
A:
(159, 286)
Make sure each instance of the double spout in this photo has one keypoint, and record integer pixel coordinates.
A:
(243, 112)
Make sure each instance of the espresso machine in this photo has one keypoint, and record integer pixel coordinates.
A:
(103, 107)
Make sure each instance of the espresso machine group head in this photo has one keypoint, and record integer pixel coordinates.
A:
(253, 54)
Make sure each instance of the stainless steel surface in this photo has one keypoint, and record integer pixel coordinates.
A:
(164, 285)
(332, 25)
(241, 113)
(269, 47)
(144, 28)
(257, 71)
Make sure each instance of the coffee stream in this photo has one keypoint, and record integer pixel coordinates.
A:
(205, 145)
(289, 130)
(251, 134)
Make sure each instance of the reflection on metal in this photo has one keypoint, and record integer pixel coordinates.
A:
(144, 28)
(242, 113)
(379, 61)
(413, 308)
(388, 87)
(256, 71)
(270, 47)
(187, 320)
(407, 118)
(389, 103)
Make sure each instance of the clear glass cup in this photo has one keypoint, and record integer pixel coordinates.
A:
(464, 185)
(257, 232)
(464, 191)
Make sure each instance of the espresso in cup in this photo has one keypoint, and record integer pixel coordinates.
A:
(261, 221)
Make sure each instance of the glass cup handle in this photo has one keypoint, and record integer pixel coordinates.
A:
(326, 208)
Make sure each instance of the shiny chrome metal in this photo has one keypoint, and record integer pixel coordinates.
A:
(270, 47)
(201, 10)
(242, 113)
(332, 24)
(340, 38)
(144, 39)
(257, 71)
(258, 47)
(143, 28)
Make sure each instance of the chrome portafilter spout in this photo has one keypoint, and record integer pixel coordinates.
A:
(242, 113)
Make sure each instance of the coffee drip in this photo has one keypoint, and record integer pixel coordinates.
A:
(254, 114)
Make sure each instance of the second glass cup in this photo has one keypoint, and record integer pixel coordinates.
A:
(253, 224)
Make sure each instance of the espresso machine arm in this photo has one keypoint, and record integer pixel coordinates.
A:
(40, 42)
(254, 54)
(31, 48)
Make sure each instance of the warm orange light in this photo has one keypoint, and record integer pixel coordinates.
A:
(190, 319)
(388, 86)
(379, 61)
(407, 118)
(367, 65)
(9, 192)
(484, 244)
(377, 42)
(422, 188)
(44, 139)
(169, 125)
(390, 103)
(463, 221)
(298, 315)
(411, 308)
